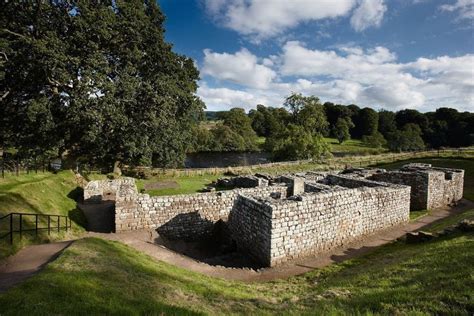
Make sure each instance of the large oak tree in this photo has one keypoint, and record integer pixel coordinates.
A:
(95, 79)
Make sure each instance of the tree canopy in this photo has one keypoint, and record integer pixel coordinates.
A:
(95, 79)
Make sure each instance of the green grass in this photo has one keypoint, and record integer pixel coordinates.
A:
(186, 185)
(466, 164)
(95, 276)
(353, 146)
(417, 214)
(37, 193)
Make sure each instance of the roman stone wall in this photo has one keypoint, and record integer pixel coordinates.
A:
(445, 187)
(250, 224)
(100, 190)
(327, 216)
(326, 220)
(190, 216)
(418, 181)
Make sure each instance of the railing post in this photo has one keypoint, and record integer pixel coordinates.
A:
(11, 229)
(36, 224)
(49, 225)
(59, 223)
(21, 225)
(66, 224)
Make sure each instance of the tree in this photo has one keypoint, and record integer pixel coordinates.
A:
(375, 140)
(307, 112)
(226, 139)
(369, 121)
(240, 123)
(341, 130)
(407, 139)
(100, 73)
(298, 143)
(387, 123)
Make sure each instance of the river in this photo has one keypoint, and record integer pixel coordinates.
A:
(225, 159)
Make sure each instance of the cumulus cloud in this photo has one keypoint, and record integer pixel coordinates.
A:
(348, 74)
(242, 68)
(369, 13)
(464, 8)
(264, 19)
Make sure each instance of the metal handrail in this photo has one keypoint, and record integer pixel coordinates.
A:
(21, 230)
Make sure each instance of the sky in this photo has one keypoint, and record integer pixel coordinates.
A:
(384, 54)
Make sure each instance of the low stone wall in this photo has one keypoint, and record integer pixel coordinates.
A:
(418, 181)
(105, 190)
(273, 231)
(188, 216)
(431, 187)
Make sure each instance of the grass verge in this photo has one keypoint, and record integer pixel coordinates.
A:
(95, 276)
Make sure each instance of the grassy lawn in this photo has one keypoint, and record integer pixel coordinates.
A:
(94, 276)
(41, 193)
(466, 164)
(354, 146)
(185, 185)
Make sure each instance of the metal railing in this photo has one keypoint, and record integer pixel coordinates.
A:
(52, 226)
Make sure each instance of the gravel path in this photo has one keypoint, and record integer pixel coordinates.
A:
(27, 262)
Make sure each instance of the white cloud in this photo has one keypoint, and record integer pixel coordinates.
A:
(263, 18)
(464, 8)
(369, 13)
(242, 68)
(370, 77)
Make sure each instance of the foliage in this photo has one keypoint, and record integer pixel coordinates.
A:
(96, 79)
(341, 130)
(297, 143)
(408, 139)
(387, 123)
(376, 140)
(267, 121)
(307, 112)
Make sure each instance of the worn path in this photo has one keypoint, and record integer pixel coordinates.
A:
(144, 241)
(27, 262)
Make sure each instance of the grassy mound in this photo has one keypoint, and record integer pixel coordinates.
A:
(38, 193)
(95, 276)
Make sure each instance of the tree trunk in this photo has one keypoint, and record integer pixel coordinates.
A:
(117, 170)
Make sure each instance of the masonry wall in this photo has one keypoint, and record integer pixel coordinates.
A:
(188, 216)
(99, 190)
(323, 221)
(250, 224)
(445, 187)
(418, 181)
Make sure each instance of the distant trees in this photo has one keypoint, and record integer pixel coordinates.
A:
(341, 129)
(232, 133)
(300, 134)
(407, 139)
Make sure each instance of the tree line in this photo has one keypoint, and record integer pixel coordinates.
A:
(296, 130)
(95, 81)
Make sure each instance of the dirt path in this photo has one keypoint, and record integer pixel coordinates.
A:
(27, 262)
(143, 241)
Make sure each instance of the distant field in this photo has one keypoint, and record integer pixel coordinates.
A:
(354, 146)
(97, 277)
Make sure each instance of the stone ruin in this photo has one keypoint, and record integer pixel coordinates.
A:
(286, 217)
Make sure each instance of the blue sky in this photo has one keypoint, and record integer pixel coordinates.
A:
(390, 54)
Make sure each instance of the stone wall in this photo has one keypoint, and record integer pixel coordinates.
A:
(418, 182)
(188, 216)
(431, 187)
(276, 230)
(445, 187)
(105, 190)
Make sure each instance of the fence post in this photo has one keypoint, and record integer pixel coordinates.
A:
(59, 223)
(11, 229)
(21, 225)
(36, 224)
(49, 225)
